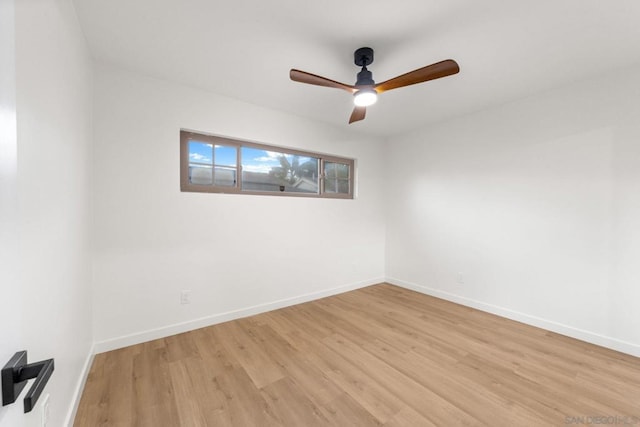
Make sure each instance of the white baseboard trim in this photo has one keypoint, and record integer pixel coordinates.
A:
(580, 334)
(166, 331)
(77, 392)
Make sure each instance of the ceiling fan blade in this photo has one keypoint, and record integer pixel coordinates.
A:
(312, 79)
(358, 114)
(430, 72)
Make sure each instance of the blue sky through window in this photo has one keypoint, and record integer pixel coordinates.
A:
(202, 152)
(257, 160)
(226, 155)
(253, 159)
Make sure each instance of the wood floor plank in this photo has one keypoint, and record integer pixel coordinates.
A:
(251, 356)
(210, 348)
(95, 391)
(344, 410)
(206, 393)
(377, 356)
(409, 417)
(189, 410)
(292, 406)
(109, 386)
(244, 404)
(422, 399)
(453, 387)
(350, 378)
(181, 347)
(297, 367)
(153, 401)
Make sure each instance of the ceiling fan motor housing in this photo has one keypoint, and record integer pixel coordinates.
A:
(363, 57)
(365, 78)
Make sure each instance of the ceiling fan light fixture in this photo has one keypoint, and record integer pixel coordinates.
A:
(365, 97)
(365, 91)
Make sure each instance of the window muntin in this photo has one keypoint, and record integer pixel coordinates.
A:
(336, 177)
(222, 165)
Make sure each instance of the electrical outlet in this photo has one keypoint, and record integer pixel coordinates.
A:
(185, 297)
(460, 278)
(44, 413)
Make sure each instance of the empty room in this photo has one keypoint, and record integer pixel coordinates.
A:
(251, 213)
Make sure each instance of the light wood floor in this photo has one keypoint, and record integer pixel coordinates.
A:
(380, 355)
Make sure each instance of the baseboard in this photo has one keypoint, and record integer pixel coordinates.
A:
(165, 331)
(77, 392)
(580, 334)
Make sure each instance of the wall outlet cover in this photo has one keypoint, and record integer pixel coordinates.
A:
(185, 297)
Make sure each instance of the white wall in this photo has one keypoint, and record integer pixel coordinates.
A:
(10, 313)
(238, 254)
(537, 203)
(53, 99)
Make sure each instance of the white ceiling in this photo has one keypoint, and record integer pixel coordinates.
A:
(244, 49)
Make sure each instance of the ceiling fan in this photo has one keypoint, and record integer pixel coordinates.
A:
(365, 91)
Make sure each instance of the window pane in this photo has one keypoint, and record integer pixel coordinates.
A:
(200, 163)
(200, 175)
(342, 171)
(225, 165)
(336, 170)
(343, 186)
(225, 176)
(329, 170)
(330, 185)
(264, 170)
(336, 178)
(226, 155)
(333, 185)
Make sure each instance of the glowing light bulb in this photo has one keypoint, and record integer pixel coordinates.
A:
(365, 97)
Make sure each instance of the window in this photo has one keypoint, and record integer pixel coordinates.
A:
(336, 177)
(211, 164)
